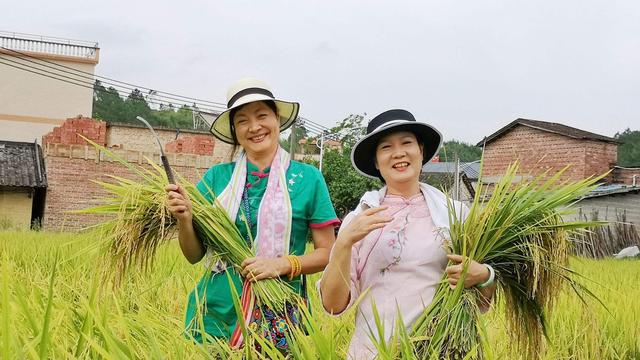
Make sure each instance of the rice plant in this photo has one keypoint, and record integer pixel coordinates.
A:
(145, 318)
(141, 223)
(519, 231)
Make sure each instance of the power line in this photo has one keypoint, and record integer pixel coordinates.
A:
(317, 133)
(79, 82)
(110, 80)
(122, 93)
(316, 124)
(91, 78)
(76, 78)
(318, 130)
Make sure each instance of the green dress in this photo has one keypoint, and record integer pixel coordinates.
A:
(311, 208)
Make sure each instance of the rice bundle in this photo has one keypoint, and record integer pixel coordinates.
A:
(142, 223)
(520, 233)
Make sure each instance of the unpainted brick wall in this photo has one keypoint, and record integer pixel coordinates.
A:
(71, 187)
(140, 139)
(71, 165)
(69, 132)
(539, 151)
(193, 144)
(625, 176)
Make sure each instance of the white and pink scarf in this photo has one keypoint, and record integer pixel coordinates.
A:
(274, 221)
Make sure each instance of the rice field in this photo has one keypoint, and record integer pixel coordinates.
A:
(52, 305)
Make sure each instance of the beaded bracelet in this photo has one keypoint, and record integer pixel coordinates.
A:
(490, 281)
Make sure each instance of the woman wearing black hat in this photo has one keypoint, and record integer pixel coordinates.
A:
(391, 245)
(276, 203)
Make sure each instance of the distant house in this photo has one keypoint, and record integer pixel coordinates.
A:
(309, 148)
(542, 146)
(23, 184)
(458, 180)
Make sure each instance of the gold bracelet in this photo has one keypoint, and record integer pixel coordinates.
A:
(296, 266)
(292, 262)
(299, 269)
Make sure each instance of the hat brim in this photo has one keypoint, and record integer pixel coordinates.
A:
(287, 112)
(363, 154)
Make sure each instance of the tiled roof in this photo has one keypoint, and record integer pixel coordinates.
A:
(549, 127)
(21, 165)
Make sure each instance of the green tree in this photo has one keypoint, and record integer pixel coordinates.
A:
(349, 130)
(300, 133)
(454, 149)
(345, 184)
(167, 116)
(136, 105)
(629, 151)
(107, 103)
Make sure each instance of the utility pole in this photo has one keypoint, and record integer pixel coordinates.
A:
(321, 146)
(292, 140)
(456, 182)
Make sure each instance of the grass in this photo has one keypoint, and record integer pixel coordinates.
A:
(51, 306)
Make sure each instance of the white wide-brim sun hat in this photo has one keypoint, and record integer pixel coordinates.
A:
(245, 91)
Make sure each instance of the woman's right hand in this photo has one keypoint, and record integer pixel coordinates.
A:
(369, 220)
(178, 203)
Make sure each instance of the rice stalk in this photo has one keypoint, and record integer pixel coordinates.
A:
(519, 231)
(141, 223)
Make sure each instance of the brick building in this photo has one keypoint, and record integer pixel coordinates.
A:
(71, 164)
(542, 146)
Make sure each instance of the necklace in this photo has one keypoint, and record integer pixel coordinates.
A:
(246, 207)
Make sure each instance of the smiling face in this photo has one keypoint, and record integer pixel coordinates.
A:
(257, 128)
(399, 158)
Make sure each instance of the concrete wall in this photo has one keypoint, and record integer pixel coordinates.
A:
(610, 207)
(15, 206)
(31, 104)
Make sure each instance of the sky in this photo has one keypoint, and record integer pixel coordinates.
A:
(466, 67)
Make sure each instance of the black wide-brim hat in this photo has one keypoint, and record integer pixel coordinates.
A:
(245, 91)
(363, 155)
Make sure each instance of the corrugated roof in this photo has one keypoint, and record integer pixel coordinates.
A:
(472, 169)
(21, 164)
(549, 127)
(612, 189)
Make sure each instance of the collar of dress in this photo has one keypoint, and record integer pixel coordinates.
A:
(437, 203)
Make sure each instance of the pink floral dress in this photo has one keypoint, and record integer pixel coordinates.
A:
(400, 265)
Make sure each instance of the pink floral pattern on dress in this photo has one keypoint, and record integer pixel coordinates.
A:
(396, 239)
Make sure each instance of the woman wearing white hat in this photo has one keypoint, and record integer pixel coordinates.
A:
(283, 201)
(389, 248)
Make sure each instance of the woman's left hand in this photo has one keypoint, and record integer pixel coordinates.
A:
(260, 268)
(476, 273)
